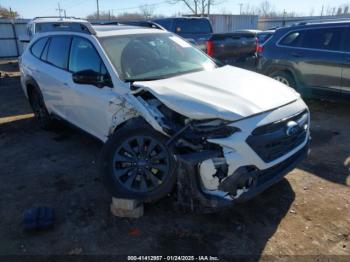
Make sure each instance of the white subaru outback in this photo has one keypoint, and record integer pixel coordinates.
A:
(160, 104)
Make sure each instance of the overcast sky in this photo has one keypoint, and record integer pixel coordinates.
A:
(81, 8)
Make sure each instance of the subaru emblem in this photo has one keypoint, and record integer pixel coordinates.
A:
(292, 128)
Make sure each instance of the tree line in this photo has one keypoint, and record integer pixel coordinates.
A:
(203, 8)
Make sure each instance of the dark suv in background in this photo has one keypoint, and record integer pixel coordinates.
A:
(312, 57)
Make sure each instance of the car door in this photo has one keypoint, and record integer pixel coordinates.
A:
(53, 73)
(320, 59)
(346, 64)
(87, 105)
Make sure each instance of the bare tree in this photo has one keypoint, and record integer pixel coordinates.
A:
(249, 10)
(197, 7)
(7, 13)
(337, 10)
(190, 4)
(312, 11)
(102, 16)
(266, 9)
(147, 11)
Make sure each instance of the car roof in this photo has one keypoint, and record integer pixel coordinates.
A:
(180, 18)
(101, 31)
(54, 19)
(266, 32)
(312, 24)
(114, 30)
(317, 23)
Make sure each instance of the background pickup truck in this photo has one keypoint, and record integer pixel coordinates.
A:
(228, 48)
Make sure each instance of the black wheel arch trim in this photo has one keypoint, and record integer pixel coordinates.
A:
(286, 68)
(30, 81)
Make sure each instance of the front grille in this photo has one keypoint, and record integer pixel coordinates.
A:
(271, 141)
(289, 163)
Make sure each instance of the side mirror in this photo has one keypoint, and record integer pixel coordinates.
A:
(90, 77)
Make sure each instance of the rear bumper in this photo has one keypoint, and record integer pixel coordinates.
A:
(191, 195)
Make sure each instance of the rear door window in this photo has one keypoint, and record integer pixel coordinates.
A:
(323, 38)
(38, 46)
(58, 51)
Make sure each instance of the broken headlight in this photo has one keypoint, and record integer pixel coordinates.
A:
(216, 128)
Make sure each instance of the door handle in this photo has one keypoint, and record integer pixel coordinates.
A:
(65, 84)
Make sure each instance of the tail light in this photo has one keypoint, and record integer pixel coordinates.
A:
(259, 48)
(210, 47)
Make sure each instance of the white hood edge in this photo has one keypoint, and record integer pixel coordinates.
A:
(228, 93)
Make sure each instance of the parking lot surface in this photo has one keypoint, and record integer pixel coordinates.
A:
(308, 213)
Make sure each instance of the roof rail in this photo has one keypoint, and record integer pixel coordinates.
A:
(149, 24)
(325, 20)
(105, 23)
(61, 17)
(72, 26)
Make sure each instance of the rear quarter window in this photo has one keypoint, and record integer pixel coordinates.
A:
(263, 38)
(38, 46)
(292, 39)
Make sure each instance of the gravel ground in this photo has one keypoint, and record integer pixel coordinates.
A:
(308, 213)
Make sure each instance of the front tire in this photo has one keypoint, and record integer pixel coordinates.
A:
(135, 163)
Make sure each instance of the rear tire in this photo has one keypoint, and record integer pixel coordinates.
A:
(136, 164)
(39, 108)
(285, 78)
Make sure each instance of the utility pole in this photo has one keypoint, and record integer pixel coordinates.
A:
(59, 9)
(65, 14)
(209, 3)
(322, 10)
(98, 9)
(240, 8)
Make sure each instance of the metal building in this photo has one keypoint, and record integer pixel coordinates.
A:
(10, 31)
(230, 23)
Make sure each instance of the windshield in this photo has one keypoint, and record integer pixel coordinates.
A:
(153, 56)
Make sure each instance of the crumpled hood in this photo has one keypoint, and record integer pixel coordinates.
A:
(228, 93)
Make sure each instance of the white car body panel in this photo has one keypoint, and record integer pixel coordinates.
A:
(228, 93)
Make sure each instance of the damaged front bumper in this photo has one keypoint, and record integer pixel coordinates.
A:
(192, 196)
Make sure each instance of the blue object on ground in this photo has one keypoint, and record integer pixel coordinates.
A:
(38, 218)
